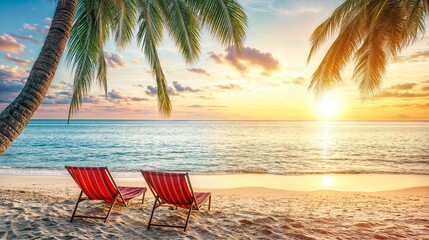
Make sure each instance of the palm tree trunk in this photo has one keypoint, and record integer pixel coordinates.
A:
(17, 115)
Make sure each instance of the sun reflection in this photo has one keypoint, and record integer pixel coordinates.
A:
(327, 181)
(325, 138)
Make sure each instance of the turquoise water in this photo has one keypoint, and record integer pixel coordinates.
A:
(219, 147)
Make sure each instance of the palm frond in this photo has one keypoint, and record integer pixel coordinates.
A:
(225, 19)
(334, 22)
(149, 36)
(124, 22)
(415, 14)
(90, 32)
(183, 19)
(183, 27)
(339, 54)
(386, 26)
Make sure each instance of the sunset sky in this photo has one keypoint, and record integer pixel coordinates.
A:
(268, 80)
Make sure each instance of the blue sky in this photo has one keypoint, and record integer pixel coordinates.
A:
(268, 80)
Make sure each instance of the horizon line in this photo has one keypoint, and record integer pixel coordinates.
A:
(253, 120)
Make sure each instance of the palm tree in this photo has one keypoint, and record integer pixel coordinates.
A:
(88, 24)
(370, 31)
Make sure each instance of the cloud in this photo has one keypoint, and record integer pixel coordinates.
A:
(298, 81)
(425, 88)
(198, 71)
(36, 28)
(420, 56)
(247, 57)
(114, 60)
(9, 44)
(403, 86)
(11, 74)
(12, 80)
(396, 94)
(28, 38)
(64, 97)
(48, 20)
(20, 61)
(172, 91)
(116, 95)
(228, 86)
(138, 99)
(409, 106)
(11, 86)
(57, 98)
(180, 88)
(201, 106)
(216, 58)
(153, 91)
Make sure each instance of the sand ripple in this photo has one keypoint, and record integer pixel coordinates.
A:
(318, 215)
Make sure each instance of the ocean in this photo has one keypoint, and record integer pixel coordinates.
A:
(221, 147)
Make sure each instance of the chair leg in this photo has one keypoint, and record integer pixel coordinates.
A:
(77, 204)
(210, 201)
(111, 206)
(153, 210)
(189, 214)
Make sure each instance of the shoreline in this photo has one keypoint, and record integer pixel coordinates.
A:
(299, 183)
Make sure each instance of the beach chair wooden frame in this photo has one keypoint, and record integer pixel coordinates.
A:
(193, 204)
(114, 200)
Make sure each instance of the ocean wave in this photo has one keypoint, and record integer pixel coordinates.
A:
(10, 170)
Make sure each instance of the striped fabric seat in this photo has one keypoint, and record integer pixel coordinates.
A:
(131, 192)
(174, 189)
(97, 184)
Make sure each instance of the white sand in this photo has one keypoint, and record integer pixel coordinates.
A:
(40, 207)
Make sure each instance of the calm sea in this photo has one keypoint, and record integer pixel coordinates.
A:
(219, 147)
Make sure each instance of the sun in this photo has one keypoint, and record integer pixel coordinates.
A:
(328, 106)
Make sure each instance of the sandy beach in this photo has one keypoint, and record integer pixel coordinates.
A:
(40, 207)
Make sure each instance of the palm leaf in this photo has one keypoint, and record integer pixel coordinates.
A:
(225, 19)
(183, 27)
(90, 32)
(339, 54)
(149, 36)
(386, 26)
(124, 22)
(334, 22)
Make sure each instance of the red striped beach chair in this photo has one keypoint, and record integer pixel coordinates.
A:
(174, 189)
(97, 184)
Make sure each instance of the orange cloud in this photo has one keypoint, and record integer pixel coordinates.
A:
(9, 44)
(403, 86)
(229, 87)
(419, 56)
(297, 81)
(395, 94)
(20, 61)
(247, 57)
